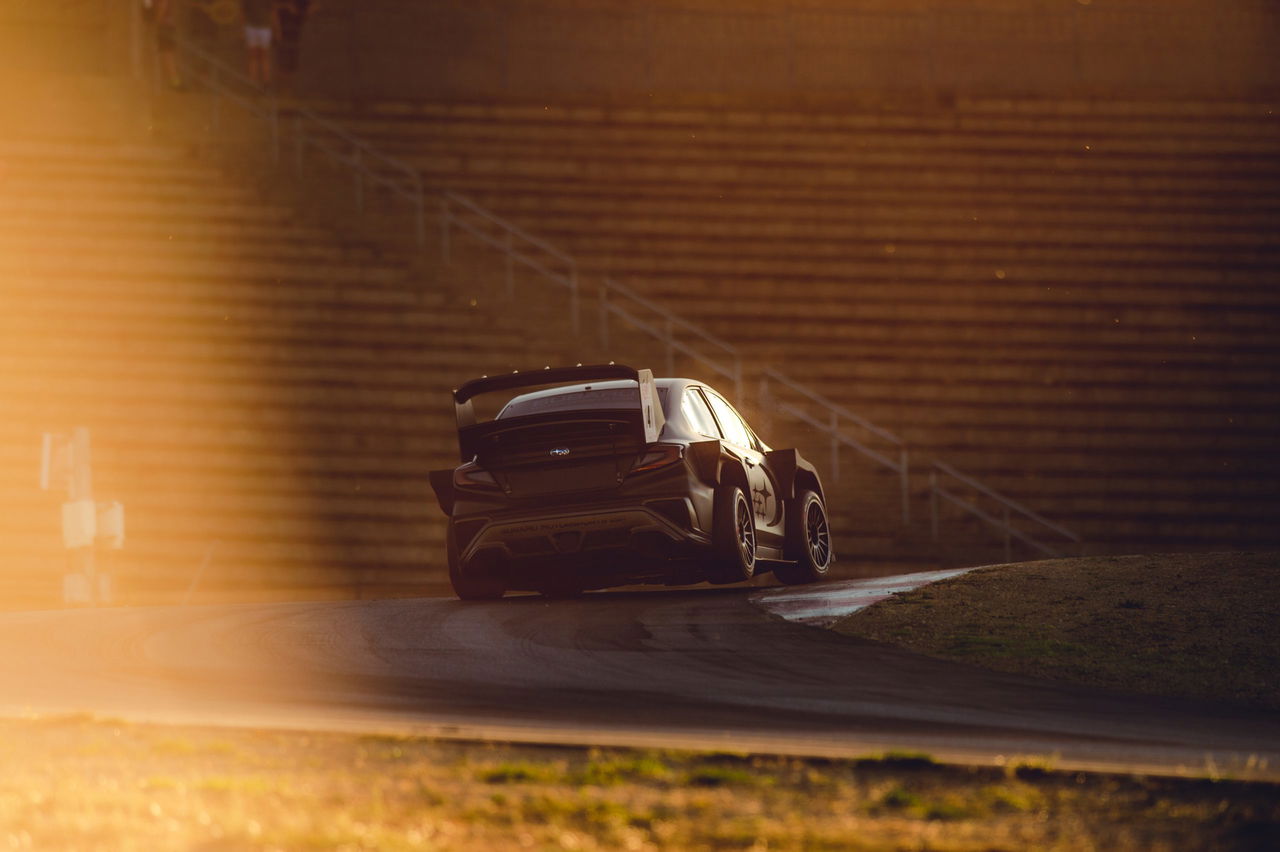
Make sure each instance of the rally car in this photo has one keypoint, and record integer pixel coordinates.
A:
(604, 476)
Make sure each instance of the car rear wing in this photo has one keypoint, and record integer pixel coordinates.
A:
(652, 417)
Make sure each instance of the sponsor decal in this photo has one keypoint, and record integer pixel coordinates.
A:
(760, 496)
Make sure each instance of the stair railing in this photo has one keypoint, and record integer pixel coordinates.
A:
(516, 245)
(939, 475)
(619, 300)
(832, 420)
(369, 166)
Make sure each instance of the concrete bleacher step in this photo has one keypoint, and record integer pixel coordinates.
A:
(873, 111)
(899, 176)
(1208, 294)
(1065, 269)
(816, 198)
(832, 336)
(75, 196)
(676, 226)
(707, 141)
(159, 170)
(181, 300)
(31, 222)
(164, 248)
(575, 154)
(978, 365)
(1210, 122)
(618, 249)
(1117, 317)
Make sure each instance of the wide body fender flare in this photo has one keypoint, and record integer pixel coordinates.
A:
(790, 467)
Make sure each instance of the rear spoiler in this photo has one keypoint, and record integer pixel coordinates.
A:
(650, 409)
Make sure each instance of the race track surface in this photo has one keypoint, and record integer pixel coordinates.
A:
(704, 668)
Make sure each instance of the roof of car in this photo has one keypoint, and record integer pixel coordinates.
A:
(622, 383)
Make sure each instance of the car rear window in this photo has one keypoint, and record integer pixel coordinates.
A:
(582, 400)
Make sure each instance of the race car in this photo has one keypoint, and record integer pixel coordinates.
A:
(603, 476)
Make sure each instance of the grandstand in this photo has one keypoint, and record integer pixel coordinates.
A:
(1067, 296)
(1073, 301)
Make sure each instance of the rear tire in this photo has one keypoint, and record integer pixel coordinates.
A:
(733, 537)
(470, 584)
(808, 539)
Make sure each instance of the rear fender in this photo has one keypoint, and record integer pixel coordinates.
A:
(707, 458)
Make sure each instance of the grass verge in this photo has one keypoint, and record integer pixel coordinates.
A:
(81, 783)
(1190, 625)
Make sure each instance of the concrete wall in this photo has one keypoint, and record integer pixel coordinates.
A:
(803, 48)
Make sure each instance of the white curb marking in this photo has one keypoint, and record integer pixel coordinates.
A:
(823, 604)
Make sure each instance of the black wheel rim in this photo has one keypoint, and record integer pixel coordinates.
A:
(746, 529)
(817, 534)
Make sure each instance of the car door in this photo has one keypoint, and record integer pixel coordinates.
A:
(764, 489)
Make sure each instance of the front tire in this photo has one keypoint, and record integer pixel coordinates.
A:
(733, 538)
(809, 540)
(471, 582)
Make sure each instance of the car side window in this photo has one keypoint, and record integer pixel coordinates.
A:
(734, 429)
(696, 412)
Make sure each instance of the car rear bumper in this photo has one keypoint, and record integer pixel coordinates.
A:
(663, 527)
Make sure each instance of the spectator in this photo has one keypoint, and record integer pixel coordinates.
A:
(164, 15)
(203, 30)
(290, 16)
(258, 15)
(202, 26)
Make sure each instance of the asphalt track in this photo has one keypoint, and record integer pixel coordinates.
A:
(704, 668)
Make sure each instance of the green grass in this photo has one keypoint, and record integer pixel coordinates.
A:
(1015, 647)
(75, 783)
(611, 770)
(521, 772)
(1191, 625)
(721, 776)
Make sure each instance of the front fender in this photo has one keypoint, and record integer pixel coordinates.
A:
(714, 464)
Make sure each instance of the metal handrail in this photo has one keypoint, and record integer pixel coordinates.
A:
(1004, 523)
(840, 410)
(513, 242)
(836, 413)
(309, 131)
(611, 292)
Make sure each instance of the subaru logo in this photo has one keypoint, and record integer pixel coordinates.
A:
(560, 451)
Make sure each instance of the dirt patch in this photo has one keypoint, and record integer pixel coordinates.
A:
(81, 783)
(1191, 625)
